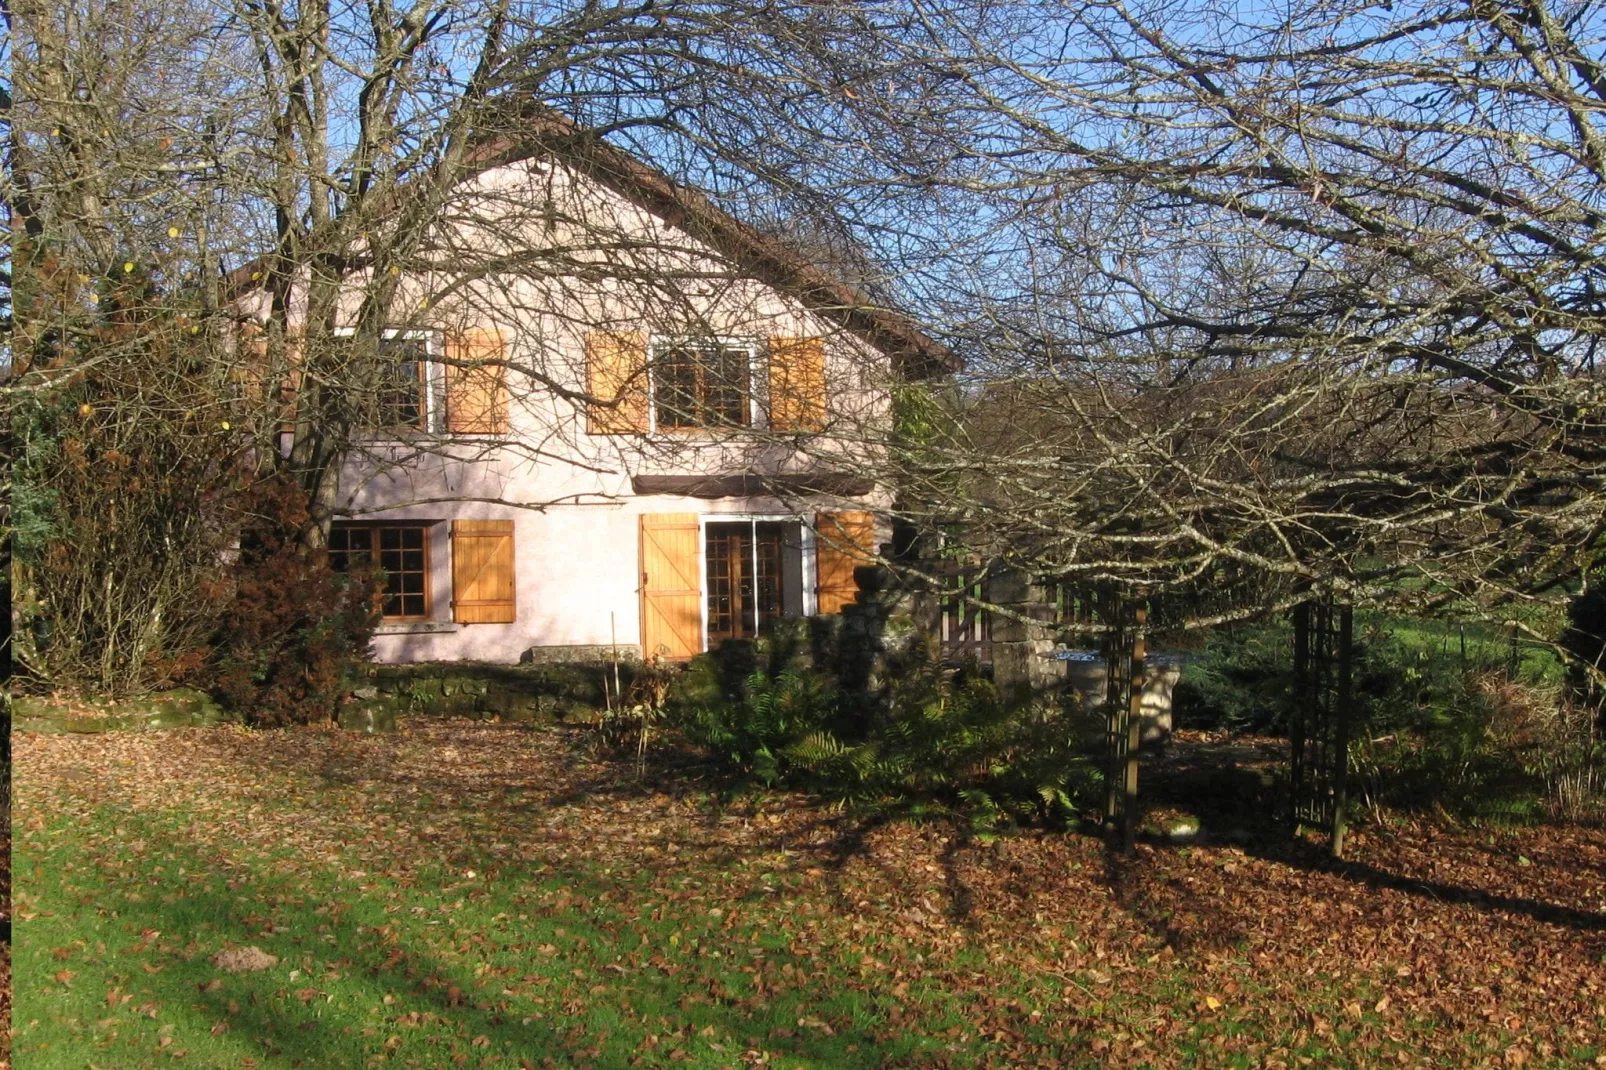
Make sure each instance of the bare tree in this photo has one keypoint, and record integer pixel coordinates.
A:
(1272, 303)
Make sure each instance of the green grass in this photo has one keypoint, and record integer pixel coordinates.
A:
(1472, 643)
(586, 962)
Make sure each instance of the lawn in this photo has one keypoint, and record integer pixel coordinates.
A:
(471, 894)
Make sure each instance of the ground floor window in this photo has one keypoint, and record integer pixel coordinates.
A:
(401, 550)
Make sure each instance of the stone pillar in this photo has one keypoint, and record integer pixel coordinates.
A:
(1161, 672)
(1023, 631)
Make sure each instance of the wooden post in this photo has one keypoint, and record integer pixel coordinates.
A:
(1115, 702)
(1341, 743)
(1134, 739)
(1298, 714)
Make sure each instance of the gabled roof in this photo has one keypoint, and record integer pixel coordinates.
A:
(546, 133)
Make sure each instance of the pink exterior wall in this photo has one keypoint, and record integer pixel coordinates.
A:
(576, 541)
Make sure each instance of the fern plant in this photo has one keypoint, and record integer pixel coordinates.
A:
(941, 747)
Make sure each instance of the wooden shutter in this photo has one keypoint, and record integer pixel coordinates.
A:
(797, 384)
(482, 572)
(251, 370)
(671, 586)
(476, 396)
(616, 376)
(843, 541)
(290, 385)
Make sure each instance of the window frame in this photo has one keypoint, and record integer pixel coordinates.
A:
(375, 550)
(432, 376)
(658, 344)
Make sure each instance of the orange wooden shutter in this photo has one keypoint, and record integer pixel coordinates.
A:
(616, 376)
(476, 395)
(671, 586)
(797, 384)
(843, 541)
(482, 572)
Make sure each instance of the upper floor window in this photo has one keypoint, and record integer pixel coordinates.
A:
(638, 385)
(700, 383)
(405, 387)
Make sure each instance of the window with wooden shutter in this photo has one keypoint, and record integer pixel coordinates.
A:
(483, 589)
(616, 378)
(476, 383)
(797, 384)
(671, 586)
(843, 542)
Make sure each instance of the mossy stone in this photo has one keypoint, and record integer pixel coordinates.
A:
(368, 718)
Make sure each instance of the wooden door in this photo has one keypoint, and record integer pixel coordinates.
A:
(671, 595)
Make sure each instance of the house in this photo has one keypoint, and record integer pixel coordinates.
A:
(651, 430)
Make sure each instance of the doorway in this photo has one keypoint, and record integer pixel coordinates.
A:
(752, 575)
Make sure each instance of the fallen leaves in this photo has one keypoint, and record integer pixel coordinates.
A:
(500, 881)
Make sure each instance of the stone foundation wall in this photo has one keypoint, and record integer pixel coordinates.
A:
(533, 692)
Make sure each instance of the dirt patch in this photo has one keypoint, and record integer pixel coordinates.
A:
(244, 960)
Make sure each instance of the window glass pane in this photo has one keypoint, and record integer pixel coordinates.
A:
(675, 382)
(726, 393)
(701, 384)
(348, 546)
(401, 382)
(403, 554)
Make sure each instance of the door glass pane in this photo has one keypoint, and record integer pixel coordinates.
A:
(768, 582)
(729, 571)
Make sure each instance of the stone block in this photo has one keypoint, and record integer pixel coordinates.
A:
(594, 654)
(368, 718)
(1161, 674)
(1029, 622)
(1011, 586)
(178, 708)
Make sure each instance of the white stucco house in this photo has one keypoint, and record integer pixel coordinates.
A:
(658, 438)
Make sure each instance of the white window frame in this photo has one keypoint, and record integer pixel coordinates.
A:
(811, 599)
(434, 375)
(657, 342)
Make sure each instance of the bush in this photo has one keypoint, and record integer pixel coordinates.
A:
(1240, 682)
(128, 496)
(296, 628)
(954, 744)
(1440, 721)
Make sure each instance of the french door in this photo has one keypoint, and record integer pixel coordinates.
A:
(744, 570)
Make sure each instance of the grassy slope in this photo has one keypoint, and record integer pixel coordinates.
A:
(466, 894)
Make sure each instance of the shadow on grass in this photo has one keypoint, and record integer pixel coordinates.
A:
(627, 993)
